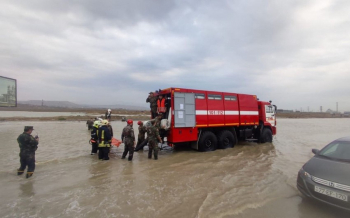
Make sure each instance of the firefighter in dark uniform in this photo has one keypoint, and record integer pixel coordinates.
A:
(28, 145)
(94, 137)
(104, 138)
(153, 104)
(141, 135)
(109, 126)
(128, 137)
(153, 138)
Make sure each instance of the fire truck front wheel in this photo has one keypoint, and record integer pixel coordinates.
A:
(266, 136)
(208, 141)
(226, 139)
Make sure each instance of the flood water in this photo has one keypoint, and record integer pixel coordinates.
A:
(249, 180)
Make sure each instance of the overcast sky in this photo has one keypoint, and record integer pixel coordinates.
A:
(293, 52)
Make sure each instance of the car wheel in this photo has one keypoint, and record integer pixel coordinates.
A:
(208, 142)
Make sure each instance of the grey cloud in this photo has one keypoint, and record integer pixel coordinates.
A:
(273, 49)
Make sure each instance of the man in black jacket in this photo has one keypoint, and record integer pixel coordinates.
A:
(28, 145)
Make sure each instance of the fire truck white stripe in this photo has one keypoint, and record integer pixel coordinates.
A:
(201, 112)
(231, 112)
(249, 113)
(204, 112)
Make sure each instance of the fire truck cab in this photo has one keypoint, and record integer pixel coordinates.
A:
(209, 119)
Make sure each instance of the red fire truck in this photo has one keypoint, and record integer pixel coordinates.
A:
(209, 120)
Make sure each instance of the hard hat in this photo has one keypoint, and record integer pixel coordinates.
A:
(109, 110)
(97, 123)
(139, 123)
(104, 122)
(129, 121)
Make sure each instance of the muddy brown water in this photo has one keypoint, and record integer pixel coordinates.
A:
(249, 180)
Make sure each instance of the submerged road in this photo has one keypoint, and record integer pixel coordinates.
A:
(249, 180)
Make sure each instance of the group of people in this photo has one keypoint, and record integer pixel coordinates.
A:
(153, 136)
(102, 134)
(157, 104)
(101, 137)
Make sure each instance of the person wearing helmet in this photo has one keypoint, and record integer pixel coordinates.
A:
(128, 137)
(141, 135)
(108, 114)
(104, 139)
(94, 138)
(28, 145)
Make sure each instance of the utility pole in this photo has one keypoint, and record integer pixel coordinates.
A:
(321, 109)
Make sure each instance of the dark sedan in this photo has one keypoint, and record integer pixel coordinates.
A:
(326, 176)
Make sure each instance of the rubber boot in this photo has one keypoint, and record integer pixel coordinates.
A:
(123, 157)
(156, 154)
(19, 172)
(130, 158)
(149, 154)
(29, 174)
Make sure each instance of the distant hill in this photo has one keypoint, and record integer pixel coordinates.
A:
(67, 104)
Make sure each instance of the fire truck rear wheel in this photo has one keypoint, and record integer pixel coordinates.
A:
(208, 142)
(226, 139)
(266, 136)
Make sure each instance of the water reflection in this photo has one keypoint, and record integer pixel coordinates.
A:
(27, 189)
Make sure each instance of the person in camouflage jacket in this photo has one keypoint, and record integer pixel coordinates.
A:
(128, 137)
(153, 138)
(153, 104)
(28, 145)
(141, 135)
